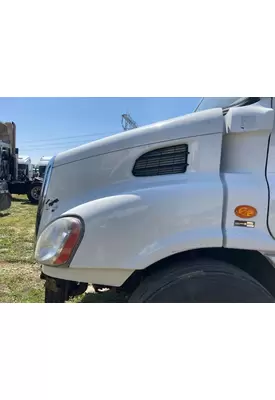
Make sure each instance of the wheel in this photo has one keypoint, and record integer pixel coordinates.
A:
(201, 281)
(34, 193)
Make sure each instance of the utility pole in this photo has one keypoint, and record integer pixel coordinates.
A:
(127, 122)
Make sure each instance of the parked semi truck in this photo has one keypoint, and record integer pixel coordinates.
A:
(26, 183)
(42, 165)
(25, 168)
(8, 162)
(16, 171)
(178, 211)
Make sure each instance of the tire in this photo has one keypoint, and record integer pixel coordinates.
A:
(201, 281)
(34, 193)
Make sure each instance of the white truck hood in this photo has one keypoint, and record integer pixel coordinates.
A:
(201, 123)
(103, 168)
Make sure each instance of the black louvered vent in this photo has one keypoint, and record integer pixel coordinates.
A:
(165, 161)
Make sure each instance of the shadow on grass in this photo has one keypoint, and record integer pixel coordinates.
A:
(28, 203)
(109, 296)
(16, 199)
(23, 202)
(3, 214)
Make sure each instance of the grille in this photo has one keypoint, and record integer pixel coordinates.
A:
(164, 161)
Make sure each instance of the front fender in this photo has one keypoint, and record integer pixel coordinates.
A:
(135, 230)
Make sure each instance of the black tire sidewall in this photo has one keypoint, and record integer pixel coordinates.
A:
(204, 281)
(30, 197)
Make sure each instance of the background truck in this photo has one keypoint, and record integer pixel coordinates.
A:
(25, 168)
(16, 172)
(8, 162)
(178, 211)
(42, 165)
(26, 183)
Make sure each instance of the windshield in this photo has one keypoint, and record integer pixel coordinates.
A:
(42, 169)
(225, 102)
(22, 167)
(217, 102)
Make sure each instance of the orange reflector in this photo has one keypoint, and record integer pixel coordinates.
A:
(245, 211)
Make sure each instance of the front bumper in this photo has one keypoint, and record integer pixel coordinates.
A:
(99, 276)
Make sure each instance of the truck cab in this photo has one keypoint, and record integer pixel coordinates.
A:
(25, 168)
(42, 165)
(178, 211)
(8, 162)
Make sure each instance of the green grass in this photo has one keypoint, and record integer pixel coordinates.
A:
(17, 232)
(19, 275)
(20, 283)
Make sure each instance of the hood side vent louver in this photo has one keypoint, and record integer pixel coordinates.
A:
(163, 161)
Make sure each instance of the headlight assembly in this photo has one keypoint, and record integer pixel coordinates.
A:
(58, 242)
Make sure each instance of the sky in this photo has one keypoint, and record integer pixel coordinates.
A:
(47, 126)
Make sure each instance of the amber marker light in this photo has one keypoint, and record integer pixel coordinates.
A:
(245, 211)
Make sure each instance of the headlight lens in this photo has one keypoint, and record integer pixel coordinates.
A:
(57, 243)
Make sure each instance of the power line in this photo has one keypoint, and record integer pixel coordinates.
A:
(61, 145)
(127, 123)
(34, 145)
(72, 137)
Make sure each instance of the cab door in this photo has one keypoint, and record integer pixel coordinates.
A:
(270, 174)
(243, 171)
